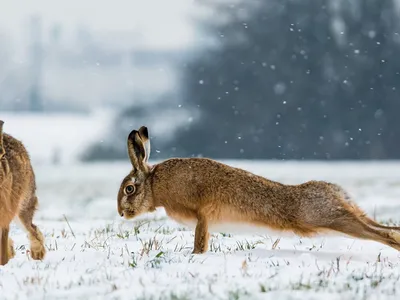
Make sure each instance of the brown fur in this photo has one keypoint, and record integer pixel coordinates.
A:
(17, 196)
(208, 192)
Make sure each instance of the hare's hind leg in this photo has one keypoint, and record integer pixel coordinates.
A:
(201, 236)
(354, 226)
(344, 216)
(363, 216)
(375, 224)
(4, 245)
(36, 238)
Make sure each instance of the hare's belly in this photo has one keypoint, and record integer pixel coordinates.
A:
(228, 220)
(234, 227)
(246, 228)
(232, 220)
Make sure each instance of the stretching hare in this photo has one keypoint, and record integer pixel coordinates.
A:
(17, 196)
(208, 193)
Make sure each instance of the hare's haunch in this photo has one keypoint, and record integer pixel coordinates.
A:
(17, 196)
(208, 193)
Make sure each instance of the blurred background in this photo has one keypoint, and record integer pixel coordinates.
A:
(260, 79)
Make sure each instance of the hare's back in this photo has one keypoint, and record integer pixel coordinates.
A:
(19, 165)
(196, 181)
(16, 153)
(194, 172)
(16, 178)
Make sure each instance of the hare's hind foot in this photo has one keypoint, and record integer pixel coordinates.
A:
(11, 251)
(38, 250)
(395, 236)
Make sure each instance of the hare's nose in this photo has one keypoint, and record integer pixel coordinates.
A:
(122, 214)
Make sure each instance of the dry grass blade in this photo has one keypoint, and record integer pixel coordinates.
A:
(275, 244)
(70, 228)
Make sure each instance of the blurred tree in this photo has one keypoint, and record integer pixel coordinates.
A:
(155, 112)
(372, 73)
(296, 79)
(36, 57)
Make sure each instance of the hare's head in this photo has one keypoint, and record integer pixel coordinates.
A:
(133, 197)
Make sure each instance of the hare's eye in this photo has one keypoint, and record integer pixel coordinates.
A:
(129, 189)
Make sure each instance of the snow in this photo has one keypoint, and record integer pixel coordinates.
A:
(94, 254)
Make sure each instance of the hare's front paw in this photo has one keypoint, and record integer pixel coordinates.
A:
(11, 251)
(201, 243)
(38, 250)
(197, 251)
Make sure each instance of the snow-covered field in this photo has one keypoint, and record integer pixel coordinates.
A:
(93, 254)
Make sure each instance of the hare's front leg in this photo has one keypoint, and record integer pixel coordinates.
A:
(4, 245)
(201, 236)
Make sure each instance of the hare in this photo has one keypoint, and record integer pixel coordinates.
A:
(208, 193)
(17, 197)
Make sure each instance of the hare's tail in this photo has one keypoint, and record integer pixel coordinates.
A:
(2, 151)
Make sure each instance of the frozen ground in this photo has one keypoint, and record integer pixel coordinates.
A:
(96, 255)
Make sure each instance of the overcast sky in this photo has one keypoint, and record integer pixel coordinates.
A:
(161, 23)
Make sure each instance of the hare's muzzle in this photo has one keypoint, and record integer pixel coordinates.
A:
(120, 212)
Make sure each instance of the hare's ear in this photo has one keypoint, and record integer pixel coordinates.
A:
(2, 151)
(144, 135)
(136, 151)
